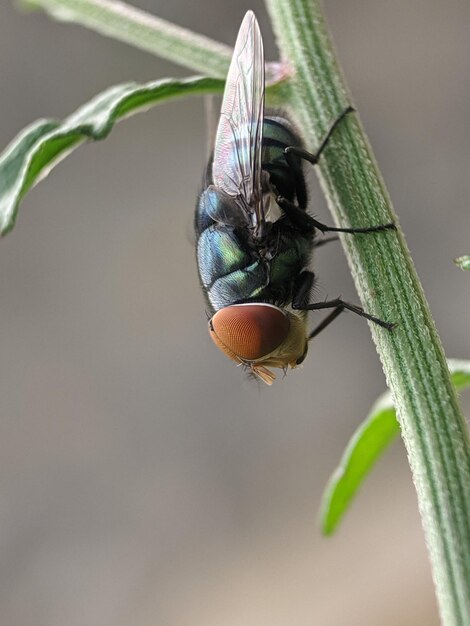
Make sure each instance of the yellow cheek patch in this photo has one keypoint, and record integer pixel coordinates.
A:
(259, 336)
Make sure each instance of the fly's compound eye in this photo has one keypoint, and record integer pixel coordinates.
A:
(249, 332)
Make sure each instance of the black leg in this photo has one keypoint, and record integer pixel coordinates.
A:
(322, 242)
(297, 216)
(291, 153)
(307, 222)
(337, 303)
(302, 290)
(313, 158)
(370, 229)
(326, 322)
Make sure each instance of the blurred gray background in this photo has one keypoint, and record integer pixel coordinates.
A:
(143, 480)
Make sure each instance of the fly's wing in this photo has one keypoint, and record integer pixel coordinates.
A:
(236, 166)
(211, 114)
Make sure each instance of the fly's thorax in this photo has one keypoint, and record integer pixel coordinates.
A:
(232, 269)
(216, 206)
(229, 268)
(260, 335)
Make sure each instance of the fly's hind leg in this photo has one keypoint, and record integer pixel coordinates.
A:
(291, 153)
(300, 302)
(315, 157)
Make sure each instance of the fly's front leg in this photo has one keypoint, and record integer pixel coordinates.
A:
(300, 302)
(322, 242)
(340, 305)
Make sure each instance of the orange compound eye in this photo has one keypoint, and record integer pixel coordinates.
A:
(249, 331)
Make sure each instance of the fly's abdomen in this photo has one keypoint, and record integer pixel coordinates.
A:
(277, 136)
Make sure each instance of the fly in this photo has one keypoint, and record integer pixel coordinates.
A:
(254, 235)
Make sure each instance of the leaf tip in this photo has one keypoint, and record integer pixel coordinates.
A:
(463, 262)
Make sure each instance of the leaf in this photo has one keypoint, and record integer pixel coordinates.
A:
(143, 30)
(40, 146)
(372, 437)
(364, 448)
(153, 34)
(463, 262)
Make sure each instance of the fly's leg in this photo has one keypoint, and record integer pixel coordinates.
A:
(339, 306)
(308, 223)
(298, 217)
(370, 229)
(300, 302)
(314, 158)
(293, 156)
(291, 153)
(322, 242)
(326, 322)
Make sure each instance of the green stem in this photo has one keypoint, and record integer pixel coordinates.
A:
(142, 30)
(433, 429)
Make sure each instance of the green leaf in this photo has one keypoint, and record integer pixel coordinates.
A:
(463, 262)
(39, 147)
(143, 30)
(129, 24)
(364, 448)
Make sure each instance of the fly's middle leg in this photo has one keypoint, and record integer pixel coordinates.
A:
(307, 223)
(370, 229)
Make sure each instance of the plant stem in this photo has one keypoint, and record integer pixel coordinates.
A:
(433, 429)
(142, 30)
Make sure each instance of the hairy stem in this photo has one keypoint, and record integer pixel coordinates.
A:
(433, 429)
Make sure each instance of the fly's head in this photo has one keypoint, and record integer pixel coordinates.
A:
(260, 336)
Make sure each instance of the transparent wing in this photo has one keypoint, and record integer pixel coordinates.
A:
(236, 167)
